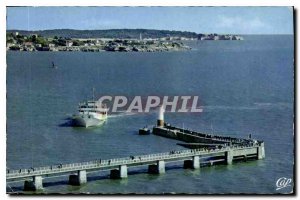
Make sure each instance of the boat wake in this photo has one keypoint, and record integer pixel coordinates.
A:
(121, 114)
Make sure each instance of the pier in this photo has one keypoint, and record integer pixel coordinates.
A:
(205, 150)
(192, 158)
(197, 139)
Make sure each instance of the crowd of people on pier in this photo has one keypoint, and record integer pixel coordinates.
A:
(224, 139)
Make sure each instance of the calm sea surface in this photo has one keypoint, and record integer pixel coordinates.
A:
(244, 87)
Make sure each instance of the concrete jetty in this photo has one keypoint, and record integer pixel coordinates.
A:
(202, 139)
(195, 139)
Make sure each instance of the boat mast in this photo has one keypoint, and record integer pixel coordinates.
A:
(93, 94)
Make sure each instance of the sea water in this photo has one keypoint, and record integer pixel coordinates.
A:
(243, 87)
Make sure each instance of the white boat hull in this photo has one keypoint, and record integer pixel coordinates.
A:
(85, 121)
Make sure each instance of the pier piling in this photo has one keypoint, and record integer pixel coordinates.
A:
(228, 157)
(158, 168)
(78, 179)
(119, 173)
(34, 185)
(192, 164)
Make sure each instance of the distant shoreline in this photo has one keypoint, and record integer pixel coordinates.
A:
(124, 34)
(119, 40)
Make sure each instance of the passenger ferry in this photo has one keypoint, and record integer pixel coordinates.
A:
(90, 113)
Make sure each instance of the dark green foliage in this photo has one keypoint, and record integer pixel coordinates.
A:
(60, 42)
(111, 33)
(77, 43)
(42, 41)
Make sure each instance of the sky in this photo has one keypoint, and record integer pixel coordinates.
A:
(235, 20)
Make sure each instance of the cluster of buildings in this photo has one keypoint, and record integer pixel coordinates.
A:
(18, 42)
(219, 37)
(144, 45)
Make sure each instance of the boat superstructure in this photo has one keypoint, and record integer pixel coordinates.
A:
(90, 113)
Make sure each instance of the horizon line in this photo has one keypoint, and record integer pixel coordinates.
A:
(149, 29)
